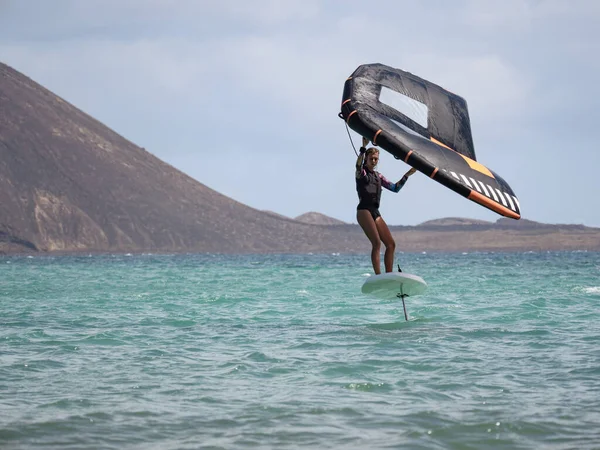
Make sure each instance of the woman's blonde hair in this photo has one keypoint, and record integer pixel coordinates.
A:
(371, 150)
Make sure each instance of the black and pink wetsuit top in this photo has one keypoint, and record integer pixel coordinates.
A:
(369, 184)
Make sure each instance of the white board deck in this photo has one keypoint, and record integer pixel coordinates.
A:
(389, 285)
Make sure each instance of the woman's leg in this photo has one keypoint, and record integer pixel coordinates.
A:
(388, 241)
(365, 220)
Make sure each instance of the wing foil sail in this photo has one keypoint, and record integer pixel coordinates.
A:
(430, 131)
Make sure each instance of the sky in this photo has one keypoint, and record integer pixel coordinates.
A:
(243, 96)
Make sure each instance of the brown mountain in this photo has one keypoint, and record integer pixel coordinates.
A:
(316, 218)
(68, 184)
(454, 234)
(447, 221)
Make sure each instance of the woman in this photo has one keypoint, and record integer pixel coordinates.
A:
(368, 185)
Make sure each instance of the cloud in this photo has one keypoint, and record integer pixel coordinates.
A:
(514, 16)
(74, 19)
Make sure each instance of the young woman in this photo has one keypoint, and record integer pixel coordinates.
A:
(368, 185)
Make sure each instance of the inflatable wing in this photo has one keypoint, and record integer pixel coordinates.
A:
(427, 127)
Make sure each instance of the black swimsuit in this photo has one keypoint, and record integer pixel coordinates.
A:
(368, 187)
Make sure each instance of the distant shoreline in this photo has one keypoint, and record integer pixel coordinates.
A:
(500, 237)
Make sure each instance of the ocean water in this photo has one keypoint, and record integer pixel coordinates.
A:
(284, 352)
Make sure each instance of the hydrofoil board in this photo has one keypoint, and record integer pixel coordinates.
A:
(392, 285)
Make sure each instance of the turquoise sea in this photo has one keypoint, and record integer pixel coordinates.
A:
(284, 352)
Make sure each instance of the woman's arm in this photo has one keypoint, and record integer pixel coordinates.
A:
(359, 163)
(395, 187)
(360, 171)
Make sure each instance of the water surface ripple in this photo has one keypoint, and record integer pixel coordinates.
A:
(283, 351)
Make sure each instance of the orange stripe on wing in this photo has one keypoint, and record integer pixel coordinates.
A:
(478, 166)
(408, 156)
(375, 137)
(346, 101)
(484, 201)
(350, 115)
(471, 162)
(434, 140)
(434, 172)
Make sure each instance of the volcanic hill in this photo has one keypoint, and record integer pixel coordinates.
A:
(69, 183)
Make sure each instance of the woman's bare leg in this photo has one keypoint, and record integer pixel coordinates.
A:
(388, 241)
(365, 220)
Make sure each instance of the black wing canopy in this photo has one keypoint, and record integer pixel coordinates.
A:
(427, 127)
